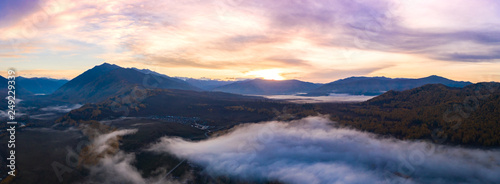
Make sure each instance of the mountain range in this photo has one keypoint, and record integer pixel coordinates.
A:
(379, 85)
(107, 80)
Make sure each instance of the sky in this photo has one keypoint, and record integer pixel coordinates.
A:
(317, 41)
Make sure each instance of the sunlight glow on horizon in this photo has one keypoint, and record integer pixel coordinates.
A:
(269, 74)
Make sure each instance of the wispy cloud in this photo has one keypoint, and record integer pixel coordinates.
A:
(61, 108)
(234, 36)
(116, 166)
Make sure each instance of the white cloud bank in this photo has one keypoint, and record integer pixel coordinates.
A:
(320, 99)
(61, 108)
(312, 151)
(115, 165)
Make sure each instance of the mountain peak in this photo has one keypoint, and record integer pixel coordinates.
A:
(103, 68)
(434, 77)
(107, 65)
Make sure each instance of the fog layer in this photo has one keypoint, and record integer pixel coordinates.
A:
(313, 150)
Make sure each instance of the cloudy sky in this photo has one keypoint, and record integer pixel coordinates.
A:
(317, 41)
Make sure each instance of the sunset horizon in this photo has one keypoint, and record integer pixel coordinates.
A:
(257, 74)
(317, 42)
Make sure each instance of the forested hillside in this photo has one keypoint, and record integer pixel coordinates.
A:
(466, 116)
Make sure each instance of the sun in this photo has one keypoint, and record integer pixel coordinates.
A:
(269, 74)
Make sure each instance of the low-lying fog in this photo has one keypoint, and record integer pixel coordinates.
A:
(44, 112)
(320, 99)
(313, 150)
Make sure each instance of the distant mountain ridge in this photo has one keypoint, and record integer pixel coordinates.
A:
(268, 87)
(18, 89)
(40, 85)
(106, 80)
(206, 84)
(3, 83)
(3, 90)
(379, 85)
(20, 92)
